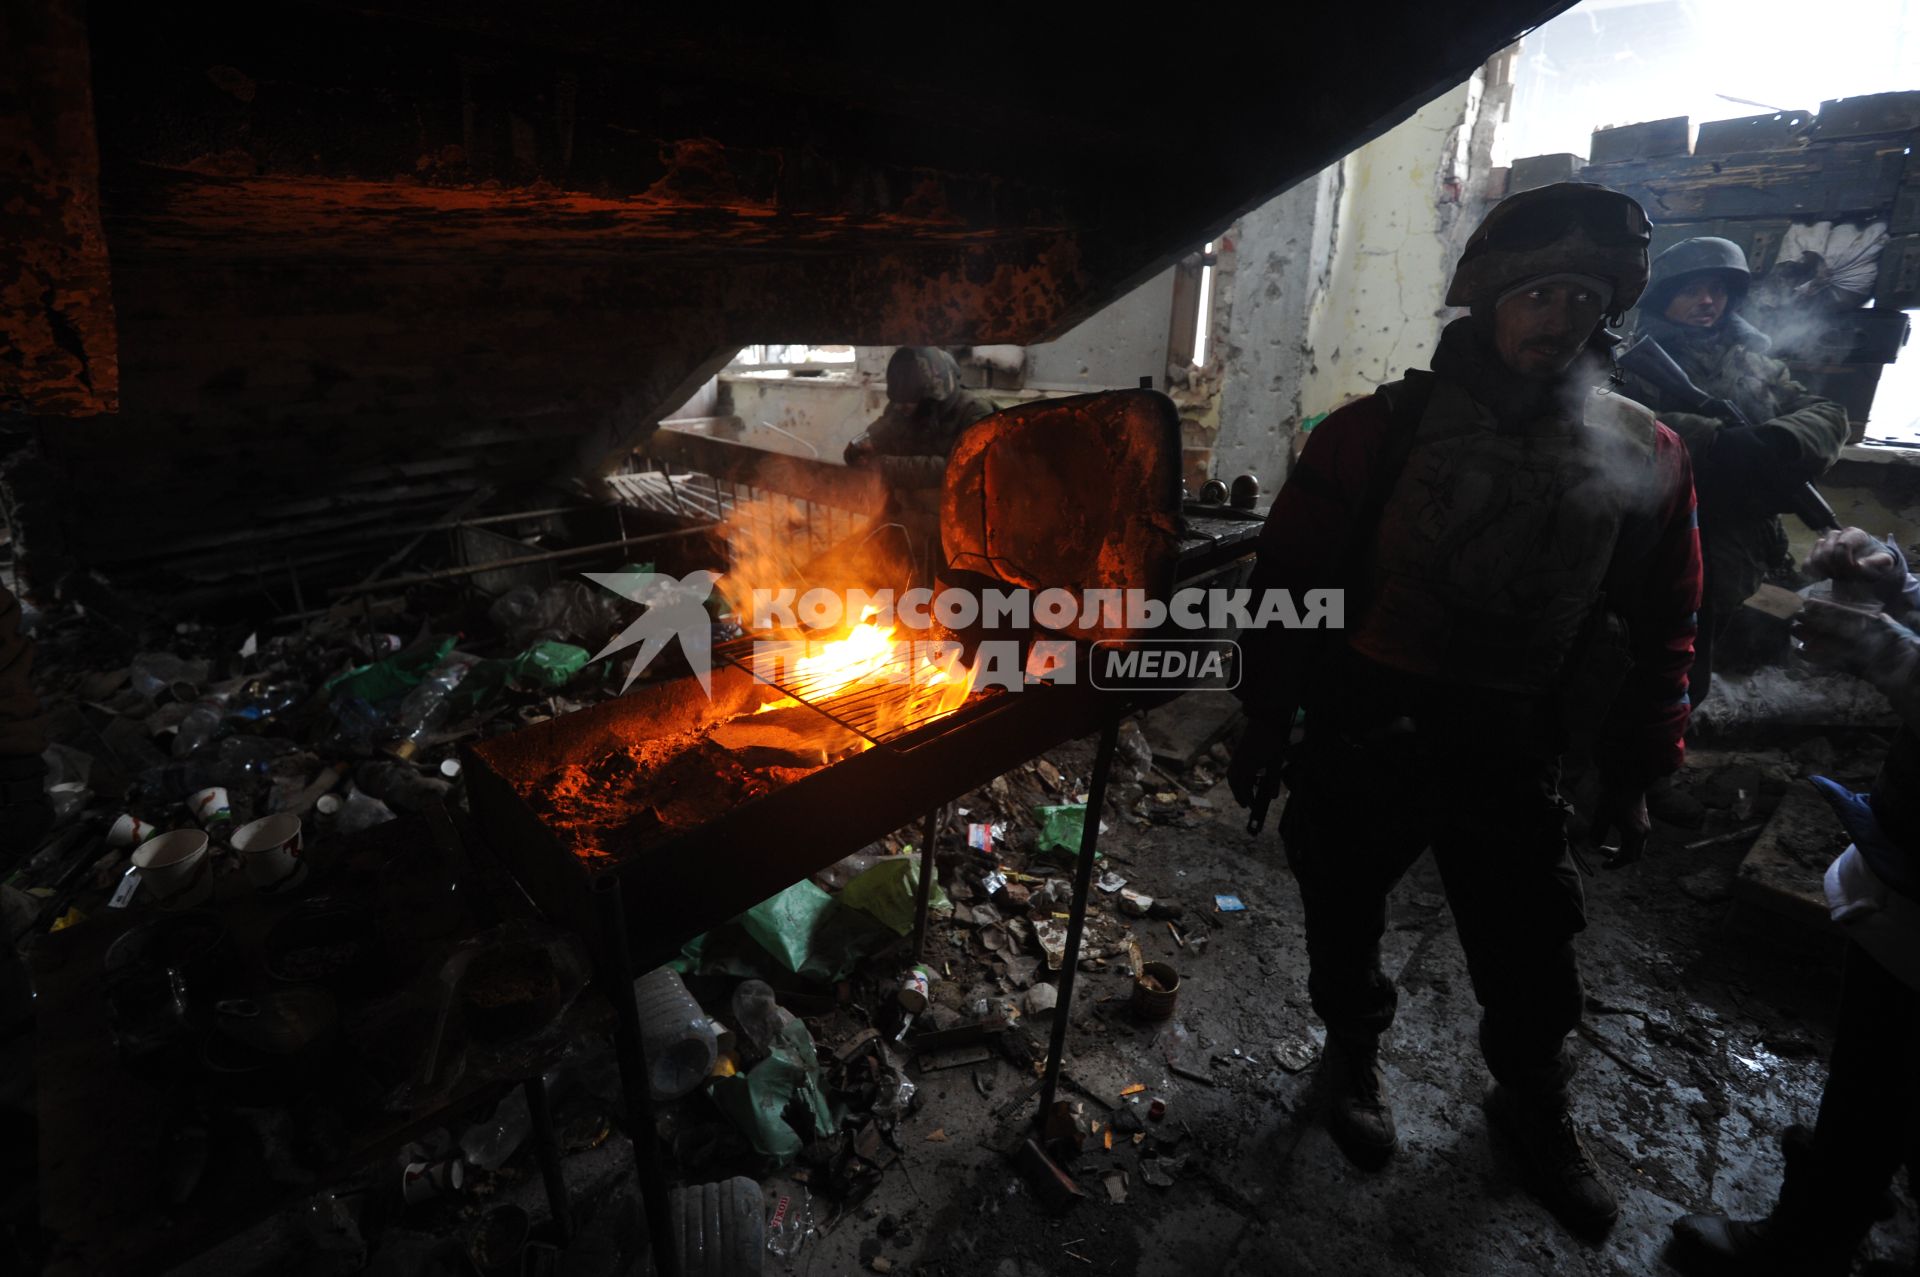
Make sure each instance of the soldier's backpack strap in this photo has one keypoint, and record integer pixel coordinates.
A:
(1406, 402)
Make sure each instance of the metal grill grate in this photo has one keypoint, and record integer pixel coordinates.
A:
(882, 705)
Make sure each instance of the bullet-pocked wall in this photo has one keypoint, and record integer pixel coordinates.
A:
(1338, 285)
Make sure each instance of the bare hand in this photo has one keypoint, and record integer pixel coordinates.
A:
(1626, 811)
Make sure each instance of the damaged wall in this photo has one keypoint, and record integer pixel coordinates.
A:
(1338, 285)
(818, 416)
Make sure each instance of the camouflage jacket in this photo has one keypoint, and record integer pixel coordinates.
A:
(910, 445)
(1731, 362)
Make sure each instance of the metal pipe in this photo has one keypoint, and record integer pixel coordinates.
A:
(1077, 917)
(547, 1144)
(615, 962)
(521, 560)
(925, 895)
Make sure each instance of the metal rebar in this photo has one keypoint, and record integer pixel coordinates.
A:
(519, 560)
(924, 898)
(546, 1144)
(1077, 917)
(616, 974)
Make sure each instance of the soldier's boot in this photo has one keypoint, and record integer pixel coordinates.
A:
(1359, 1113)
(1560, 1172)
(1797, 1239)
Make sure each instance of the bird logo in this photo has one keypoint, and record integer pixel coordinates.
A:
(675, 608)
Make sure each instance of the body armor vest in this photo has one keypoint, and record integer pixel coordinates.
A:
(1495, 545)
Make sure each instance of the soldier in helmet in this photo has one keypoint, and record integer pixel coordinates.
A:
(909, 443)
(1691, 307)
(1505, 529)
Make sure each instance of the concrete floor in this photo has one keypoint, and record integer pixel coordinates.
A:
(1706, 1038)
(1727, 1032)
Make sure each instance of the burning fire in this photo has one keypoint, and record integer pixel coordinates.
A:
(774, 541)
(869, 655)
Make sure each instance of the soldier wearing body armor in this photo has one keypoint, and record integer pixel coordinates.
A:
(909, 443)
(1743, 472)
(1508, 531)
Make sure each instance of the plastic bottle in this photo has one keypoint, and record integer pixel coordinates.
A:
(790, 1226)
(199, 727)
(682, 1044)
(425, 710)
(360, 812)
(176, 780)
(248, 760)
(154, 673)
(355, 723)
(488, 1144)
(262, 701)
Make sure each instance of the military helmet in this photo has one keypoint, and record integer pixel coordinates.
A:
(1567, 228)
(916, 374)
(1701, 255)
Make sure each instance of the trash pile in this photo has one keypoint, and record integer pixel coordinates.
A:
(796, 1039)
(340, 725)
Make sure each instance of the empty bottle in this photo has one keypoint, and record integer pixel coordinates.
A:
(153, 674)
(682, 1043)
(176, 780)
(260, 700)
(425, 710)
(199, 727)
(360, 812)
(488, 1144)
(248, 760)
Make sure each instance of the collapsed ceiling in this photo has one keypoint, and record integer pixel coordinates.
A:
(339, 263)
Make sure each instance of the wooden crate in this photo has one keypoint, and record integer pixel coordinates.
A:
(1776, 131)
(1640, 141)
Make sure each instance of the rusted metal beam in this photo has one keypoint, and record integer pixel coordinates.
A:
(454, 574)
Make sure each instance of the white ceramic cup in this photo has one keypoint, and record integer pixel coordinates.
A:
(129, 831)
(210, 804)
(269, 851)
(175, 866)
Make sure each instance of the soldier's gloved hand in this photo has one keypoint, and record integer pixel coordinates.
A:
(1865, 643)
(1624, 810)
(1260, 750)
(859, 452)
(1877, 567)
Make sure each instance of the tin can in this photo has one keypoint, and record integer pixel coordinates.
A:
(1156, 990)
(913, 991)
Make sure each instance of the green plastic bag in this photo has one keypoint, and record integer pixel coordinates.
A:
(1061, 828)
(549, 664)
(802, 931)
(392, 678)
(756, 1101)
(784, 925)
(886, 891)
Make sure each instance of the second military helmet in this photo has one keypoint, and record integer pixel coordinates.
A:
(916, 374)
(1690, 258)
(1568, 228)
